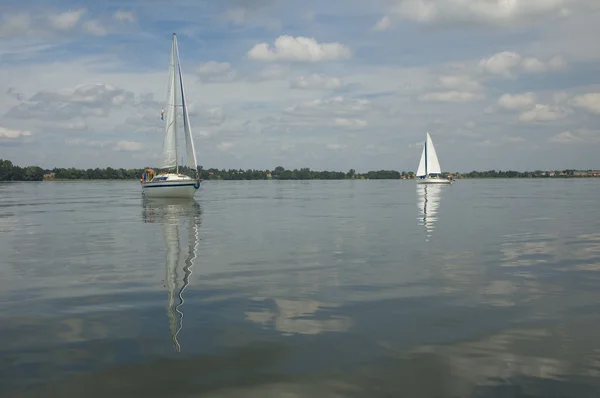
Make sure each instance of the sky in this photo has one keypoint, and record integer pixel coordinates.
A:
(336, 84)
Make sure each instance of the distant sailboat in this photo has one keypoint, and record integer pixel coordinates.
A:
(429, 170)
(172, 183)
(170, 214)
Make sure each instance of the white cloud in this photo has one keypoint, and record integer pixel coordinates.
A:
(513, 139)
(272, 72)
(541, 113)
(124, 16)
(350, 123)
(485, 12)
(385, 23)
(12, 134)
(589, 102)
(17, 24)
(581, 136)
(557, 63)
(86, 100)
(213, 71)
(461, 83)
(94, 28)
(225, 145)
(301, 49)
(449, 96)
(335, 147)
(339, 105)
(128, 146)
(316, 82)
(207, 117)
(507, 63)
(66, 20)
(517, 101)
(566, 137)
(502, 63)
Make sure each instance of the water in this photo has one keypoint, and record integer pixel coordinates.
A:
(310, 289)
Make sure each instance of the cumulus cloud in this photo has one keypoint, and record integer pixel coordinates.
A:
(272, 72)
(66, 20)
(119, 146)
(87, 100)
(449, 96)
(213, 71)
(13, 135)
(513, 139)
(459, 82)
(352, 124)
(485, 12)
(514, 102)
(385, 23)
(542, 113)
(316, 82)
(339, 106)
(507, 63)
(124, 16)
(589, 102)
(207, 117)
(95, 28)
(16, 24)
(128, 146)
(576, 137)
(300, 49)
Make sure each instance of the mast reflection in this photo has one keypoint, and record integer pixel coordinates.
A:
(180, 219)
(428, 201)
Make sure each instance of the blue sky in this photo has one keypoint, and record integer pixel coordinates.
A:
(499, 84)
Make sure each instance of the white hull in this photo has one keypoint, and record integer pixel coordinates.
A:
(433, 181)
(150, 191)
(170, 186)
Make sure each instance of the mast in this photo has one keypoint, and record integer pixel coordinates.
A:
(190, 150)
(426, 138)
(175, 58)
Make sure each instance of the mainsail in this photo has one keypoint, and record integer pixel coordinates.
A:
(176, 100)
(429, 163)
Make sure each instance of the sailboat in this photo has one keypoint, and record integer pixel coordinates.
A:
(171, 183)
(170, 213)
(429, 170)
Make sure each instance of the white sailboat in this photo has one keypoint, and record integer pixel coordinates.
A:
(173, 215)
(429, 170)
(171, 183)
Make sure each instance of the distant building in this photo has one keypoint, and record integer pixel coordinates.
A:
(49, 176)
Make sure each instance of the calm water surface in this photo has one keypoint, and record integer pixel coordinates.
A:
(486, 288)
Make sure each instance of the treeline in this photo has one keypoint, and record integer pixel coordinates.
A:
(532, 174)
(10, 172)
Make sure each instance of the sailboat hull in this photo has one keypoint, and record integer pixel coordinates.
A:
(428, 180)
(170, 186)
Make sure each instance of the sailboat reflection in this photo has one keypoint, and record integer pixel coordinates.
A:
(428, 200)
(169, 213)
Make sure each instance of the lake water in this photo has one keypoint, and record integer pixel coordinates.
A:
(301, 289)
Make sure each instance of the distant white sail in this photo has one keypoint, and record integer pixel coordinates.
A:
(421, 170)
(170, 141)
(433, 163)
(191, 161)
